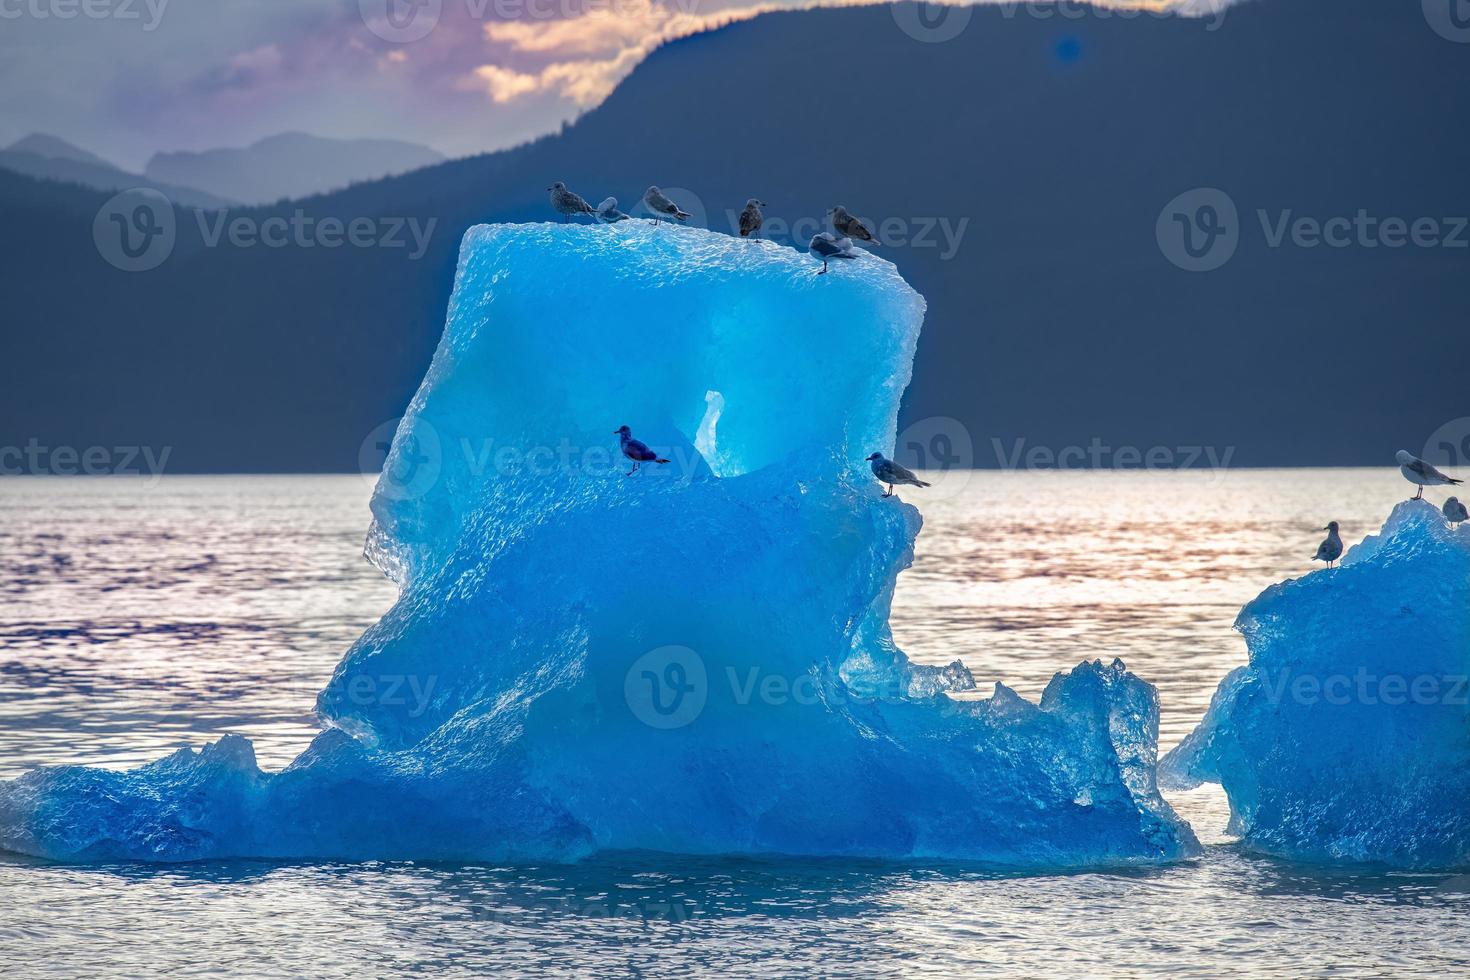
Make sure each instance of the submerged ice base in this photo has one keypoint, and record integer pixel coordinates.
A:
(1347, 737)
(692, 659)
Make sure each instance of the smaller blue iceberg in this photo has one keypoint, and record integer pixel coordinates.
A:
(1347, 737)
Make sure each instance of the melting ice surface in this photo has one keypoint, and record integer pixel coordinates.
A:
(1347, 737)
(693, 659)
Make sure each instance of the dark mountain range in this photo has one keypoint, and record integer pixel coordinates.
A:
(1060, 314)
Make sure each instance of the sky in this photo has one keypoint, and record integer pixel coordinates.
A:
(127, 78)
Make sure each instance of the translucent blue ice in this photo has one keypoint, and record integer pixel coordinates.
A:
(695, 658)
(1347, 737)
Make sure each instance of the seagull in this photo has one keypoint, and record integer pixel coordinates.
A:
(661, 206)
(568, 203)
(1420, 473)
(751, 218)
(849, 227)
(826, 248)
(608, 213)
(1454, 511)
(1331, 549)
(635, 450)
(889, 472)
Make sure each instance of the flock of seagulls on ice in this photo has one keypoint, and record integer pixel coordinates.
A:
(830, 246)
(825, 247)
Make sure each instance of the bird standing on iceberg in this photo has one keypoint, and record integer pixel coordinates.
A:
(661, 206)
(608, 213)
(826, 248)
(635, 450)
(751, 218)
(849, 227)
(1454, 511)
(1421, 474)
(568, 203)
(889, 472)
(1331, 549)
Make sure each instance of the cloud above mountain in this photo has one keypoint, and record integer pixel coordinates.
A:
(460, 75)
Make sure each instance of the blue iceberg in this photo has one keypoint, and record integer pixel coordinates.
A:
(695, 658)
(1347, 737)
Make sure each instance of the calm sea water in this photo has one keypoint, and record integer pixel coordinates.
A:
(137, 617)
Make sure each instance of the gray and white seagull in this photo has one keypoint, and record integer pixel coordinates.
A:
(826, 247)
(849, 227)
(1331, 549)
(608, 213)
(661, 206)
(568, 203)
(1421, 474)
(889, 472)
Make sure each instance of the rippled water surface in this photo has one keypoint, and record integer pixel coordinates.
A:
(136, 617)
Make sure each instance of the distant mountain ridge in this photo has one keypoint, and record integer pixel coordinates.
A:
(1058, 320)
(290, 165)
(52, 158)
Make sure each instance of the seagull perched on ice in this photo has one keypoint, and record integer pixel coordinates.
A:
(568, 203)
(608, 213)
(635, 450)
(661, 206)
(849, 227)
(826, 248)
(889, 472)
(1331, 549)
(1420, 473)
(751, 218)
(1454, 511)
